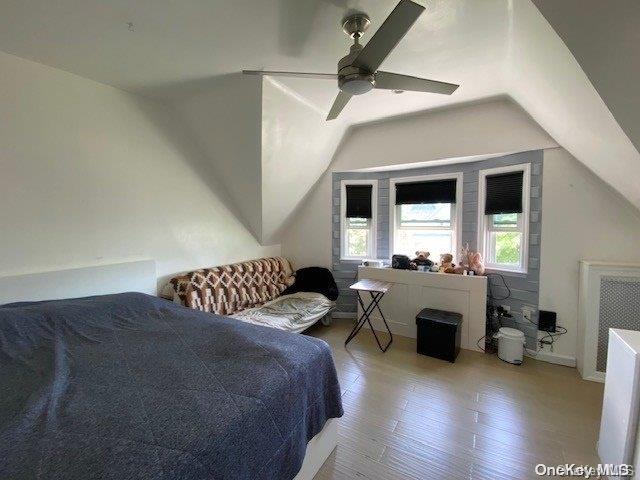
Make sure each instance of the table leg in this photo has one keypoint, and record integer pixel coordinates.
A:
(364, 318)
(377, 305)
(361, 321)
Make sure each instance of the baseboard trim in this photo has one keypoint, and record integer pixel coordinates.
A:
(349, 315)
(550, 357)
(596, 377)
(541, 355)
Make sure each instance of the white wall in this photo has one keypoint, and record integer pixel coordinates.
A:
(90, 174)
(491, 127)
(297, 144)
(223, 115)
(262, 139)
(582, 219)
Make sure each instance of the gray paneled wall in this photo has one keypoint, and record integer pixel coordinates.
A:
(524, 288)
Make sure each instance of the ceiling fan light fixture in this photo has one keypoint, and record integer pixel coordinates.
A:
(357, 83)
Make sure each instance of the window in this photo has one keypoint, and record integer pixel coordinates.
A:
(425, 215)
(504, 217)
(358, 237)
(358, 214)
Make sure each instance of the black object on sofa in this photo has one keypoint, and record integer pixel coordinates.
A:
(439, 333)
(314, 279)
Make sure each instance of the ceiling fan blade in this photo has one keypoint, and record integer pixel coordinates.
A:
(338, 104)
(388, 35)
(322, 76)
(394, 81)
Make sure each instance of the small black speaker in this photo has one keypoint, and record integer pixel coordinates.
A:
(546, 321)
(400, 262)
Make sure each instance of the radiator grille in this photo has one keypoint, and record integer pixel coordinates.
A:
(619, 308)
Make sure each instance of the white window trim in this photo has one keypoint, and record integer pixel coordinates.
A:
(482, 218)
(457, 230)
(372, 253)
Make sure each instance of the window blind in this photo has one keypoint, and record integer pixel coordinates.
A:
(437, 191)
(359, 201)
(504, 193)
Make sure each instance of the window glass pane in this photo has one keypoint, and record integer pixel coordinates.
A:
(505, 220)
(437, 242)
(357, 242)
(506, 248)
(357, 223)
(425, 215)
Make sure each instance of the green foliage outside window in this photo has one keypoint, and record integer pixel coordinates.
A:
(357, 242)
(507, 247)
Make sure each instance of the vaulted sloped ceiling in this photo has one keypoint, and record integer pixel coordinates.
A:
(267, 139)
(548, 82)
(604, 39)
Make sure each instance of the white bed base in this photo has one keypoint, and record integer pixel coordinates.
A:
(138, 276)
(318, 450)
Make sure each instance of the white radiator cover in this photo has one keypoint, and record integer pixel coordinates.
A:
(609, 298)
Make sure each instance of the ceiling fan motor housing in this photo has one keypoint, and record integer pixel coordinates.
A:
(351, 79)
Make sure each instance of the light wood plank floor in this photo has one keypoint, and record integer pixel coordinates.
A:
(415, 417)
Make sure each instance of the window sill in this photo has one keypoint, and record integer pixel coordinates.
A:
(506, 271)
(353, 259)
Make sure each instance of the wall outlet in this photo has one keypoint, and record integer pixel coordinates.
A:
(527, 314)
(506, 308)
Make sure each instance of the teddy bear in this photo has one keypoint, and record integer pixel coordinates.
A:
(446, 263)
(422, 259)
(471, 261)
(476, 264)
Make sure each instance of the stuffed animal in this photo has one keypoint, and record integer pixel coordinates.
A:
(470, 261)
(422, 259)
(446, 263)
(476, 264)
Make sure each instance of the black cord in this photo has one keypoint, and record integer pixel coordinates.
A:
(549, 338)
(492, 308)
(504, 284)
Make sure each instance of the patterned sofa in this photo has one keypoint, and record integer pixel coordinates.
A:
(228, 289)
(252, 292)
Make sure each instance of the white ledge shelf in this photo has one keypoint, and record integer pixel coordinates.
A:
(413, 290)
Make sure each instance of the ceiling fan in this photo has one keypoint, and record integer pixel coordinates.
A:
(358, 71)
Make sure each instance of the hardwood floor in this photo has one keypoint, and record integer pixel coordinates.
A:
(415, 417)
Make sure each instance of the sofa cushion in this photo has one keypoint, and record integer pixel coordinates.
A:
(228, 289)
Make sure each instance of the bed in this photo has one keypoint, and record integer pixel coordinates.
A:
(128, 385)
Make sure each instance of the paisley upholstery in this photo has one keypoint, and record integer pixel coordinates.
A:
(228, 289)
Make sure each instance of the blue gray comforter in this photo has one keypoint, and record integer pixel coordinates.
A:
(130, 386)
